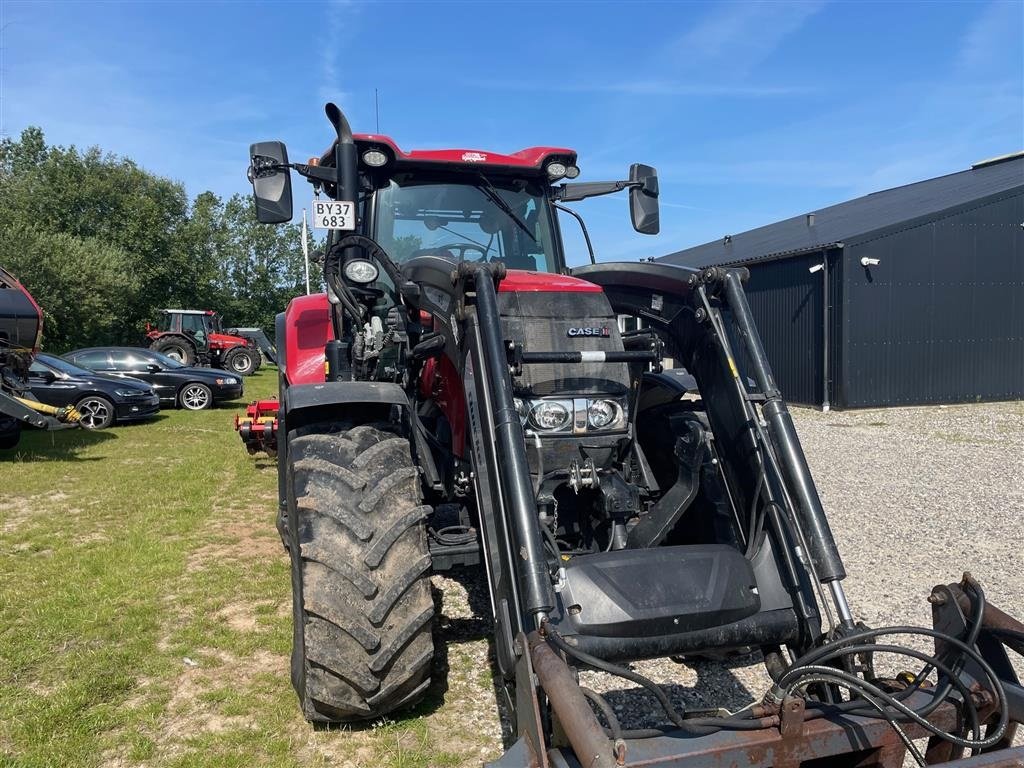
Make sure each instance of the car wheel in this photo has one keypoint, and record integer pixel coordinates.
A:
(97, 412)
(195, 397)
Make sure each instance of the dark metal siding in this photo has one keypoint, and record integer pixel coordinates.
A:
(941, 318)
(785, 300)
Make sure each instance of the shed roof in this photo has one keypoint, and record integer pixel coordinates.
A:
(836, 224)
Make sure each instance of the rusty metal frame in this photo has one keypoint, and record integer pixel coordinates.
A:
(842, 741)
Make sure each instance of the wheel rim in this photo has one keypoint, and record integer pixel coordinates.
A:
(95, 413)
(195, 398)
(241, 363)
(175, 353)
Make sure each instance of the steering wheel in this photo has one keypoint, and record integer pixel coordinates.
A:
(462, 248)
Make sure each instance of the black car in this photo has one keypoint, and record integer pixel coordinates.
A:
(101, 400)
(177, 385)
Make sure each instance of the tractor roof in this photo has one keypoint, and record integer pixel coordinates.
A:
(189, 311)
(532, 158)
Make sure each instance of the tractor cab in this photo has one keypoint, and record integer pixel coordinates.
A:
(191, 322)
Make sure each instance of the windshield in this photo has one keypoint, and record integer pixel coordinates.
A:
(470, 220)
(164, 360)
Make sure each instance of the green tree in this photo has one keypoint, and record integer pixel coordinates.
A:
(83, 285)
(104, 244)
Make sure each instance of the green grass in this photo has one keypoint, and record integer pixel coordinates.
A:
(145, 608)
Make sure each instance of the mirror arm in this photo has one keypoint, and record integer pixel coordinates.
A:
(316, 172)
(262, 165)
(570, 193)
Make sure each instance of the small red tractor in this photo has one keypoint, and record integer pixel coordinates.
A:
(195, 337)
(461, 397)
(21, 331)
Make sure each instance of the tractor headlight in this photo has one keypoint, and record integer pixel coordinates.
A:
(602, 414)
(578, 415)
(374, 158)
(361, 271)
(550, 415)
(556, 170)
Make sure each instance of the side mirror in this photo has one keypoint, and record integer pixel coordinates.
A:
(48, 376)
(643, 199)
(153, 368)
(271, 181)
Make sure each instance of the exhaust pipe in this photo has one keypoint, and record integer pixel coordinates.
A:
(346, 159)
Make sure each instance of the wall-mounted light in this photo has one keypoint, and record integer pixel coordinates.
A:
(816, 268)
(867, 261)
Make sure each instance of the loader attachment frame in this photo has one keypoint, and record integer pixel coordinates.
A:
(554, 723)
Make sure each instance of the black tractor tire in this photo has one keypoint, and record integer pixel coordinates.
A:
(10, 432)
(362, 607)
(240, 361)
(177, 347)
(97, 412)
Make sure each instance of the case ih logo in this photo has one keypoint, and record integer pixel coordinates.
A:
(574, 332)
(474, 157)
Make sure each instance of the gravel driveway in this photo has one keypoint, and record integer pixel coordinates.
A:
(915, 496)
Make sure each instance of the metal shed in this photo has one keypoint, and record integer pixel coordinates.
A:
(909, 296)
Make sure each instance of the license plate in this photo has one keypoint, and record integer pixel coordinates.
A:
(334, 214)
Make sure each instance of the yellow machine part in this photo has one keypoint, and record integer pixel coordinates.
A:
(68, 414)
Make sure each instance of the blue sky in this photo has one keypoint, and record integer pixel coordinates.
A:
(750, 111)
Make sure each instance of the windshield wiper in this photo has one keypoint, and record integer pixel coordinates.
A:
(498, 200)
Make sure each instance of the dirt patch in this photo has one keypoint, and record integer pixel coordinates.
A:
(240, 616)
(237, 541)
(16, 511)
(199, 701)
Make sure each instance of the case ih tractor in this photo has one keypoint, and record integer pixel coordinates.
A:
(195, 337)
(21, 331)
(459, 397)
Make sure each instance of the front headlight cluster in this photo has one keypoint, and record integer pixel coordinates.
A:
(577, 415)
(126, 393)
(227, 380)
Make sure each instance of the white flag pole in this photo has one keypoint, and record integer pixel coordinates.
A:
(305, 249)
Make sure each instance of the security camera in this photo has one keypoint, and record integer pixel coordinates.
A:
(816, 268)
(866, 261)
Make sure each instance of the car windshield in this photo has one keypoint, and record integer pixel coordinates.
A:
(64, 366)
(471, 220)
(163, 360)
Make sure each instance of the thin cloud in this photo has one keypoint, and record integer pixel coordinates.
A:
(996, 30)
(338, 32)
(645, 88)
(738, 36)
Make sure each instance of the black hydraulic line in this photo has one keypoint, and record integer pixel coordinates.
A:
(614, 727)
(822, 545)
(930, 661)
(614, 669)
(814, 659)
(629, 356)
(510, 447)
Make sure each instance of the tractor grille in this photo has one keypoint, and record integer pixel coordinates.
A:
(541, 321)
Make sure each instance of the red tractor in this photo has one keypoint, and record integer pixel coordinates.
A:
(461, 397)
(195, 337)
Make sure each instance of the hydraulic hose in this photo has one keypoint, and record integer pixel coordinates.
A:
(67, 414)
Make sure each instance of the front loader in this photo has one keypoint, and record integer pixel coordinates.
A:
(459, 397)
(21, 332)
